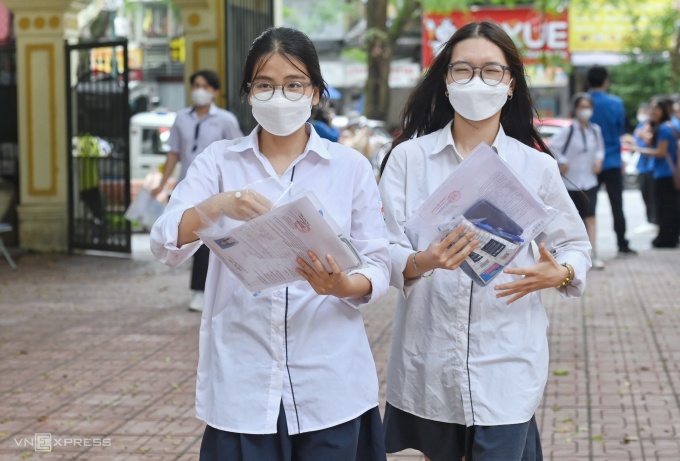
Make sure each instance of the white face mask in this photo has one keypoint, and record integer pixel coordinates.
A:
(280, 116)
(476, 100)
(642, 118)
(584, 114)
(201, 97)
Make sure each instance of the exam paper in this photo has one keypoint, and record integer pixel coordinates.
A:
(483, 175)
(261, 252)
(492, 255)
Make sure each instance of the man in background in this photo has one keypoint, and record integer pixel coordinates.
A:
(195, 128)
(609, 114)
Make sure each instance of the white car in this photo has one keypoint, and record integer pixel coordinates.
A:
(149, 133)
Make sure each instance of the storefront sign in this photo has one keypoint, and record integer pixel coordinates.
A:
(542, 37)
(601, 25)
(354, 75)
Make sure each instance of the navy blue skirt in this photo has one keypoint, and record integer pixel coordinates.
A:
(361, 439)
(450, 442)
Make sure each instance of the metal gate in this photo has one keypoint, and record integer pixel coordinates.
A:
(245, 20)
(9, 137)
(98, 136)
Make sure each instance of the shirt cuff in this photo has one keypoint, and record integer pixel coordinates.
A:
(400, 258)
(581, 264)
(379, 287)
(164, 234)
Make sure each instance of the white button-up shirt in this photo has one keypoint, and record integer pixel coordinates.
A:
(190, 135)
(292, 345)
(459, 355)
(584, 149)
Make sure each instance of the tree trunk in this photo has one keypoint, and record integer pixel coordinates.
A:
(376, 104)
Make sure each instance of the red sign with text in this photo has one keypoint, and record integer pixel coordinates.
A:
(539, 35)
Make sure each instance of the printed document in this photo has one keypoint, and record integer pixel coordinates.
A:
(262, 252)
(484, 195)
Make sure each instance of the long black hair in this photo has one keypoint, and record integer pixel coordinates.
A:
(428, 108)
(290, 44)
(665, 104)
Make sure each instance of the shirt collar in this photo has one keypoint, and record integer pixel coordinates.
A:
(315, 143)
(212, 111)
(445, 139)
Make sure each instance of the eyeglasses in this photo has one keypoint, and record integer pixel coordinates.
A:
(463, 72)
(264, 91)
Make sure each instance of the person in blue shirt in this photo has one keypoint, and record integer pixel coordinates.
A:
(321, 121)
(642, 137)
(609, 114)
(663, 148)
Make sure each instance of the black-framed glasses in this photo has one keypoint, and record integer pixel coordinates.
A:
(264, 91)
(463, 72)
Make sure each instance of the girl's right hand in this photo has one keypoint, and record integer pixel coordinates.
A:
(449, 253)
(240, 205)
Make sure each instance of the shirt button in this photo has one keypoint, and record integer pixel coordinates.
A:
(461, 327)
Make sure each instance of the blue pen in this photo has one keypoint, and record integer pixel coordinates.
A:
(500, 232)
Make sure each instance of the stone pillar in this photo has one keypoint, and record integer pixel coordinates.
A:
(203, 22)
(41, 27)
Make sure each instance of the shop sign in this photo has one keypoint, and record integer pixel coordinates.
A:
(542, 37)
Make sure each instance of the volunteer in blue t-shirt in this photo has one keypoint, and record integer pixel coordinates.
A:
(663, 148)
(609, 115)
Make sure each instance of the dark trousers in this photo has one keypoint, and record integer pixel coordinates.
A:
(199, 270)
(613, 181)
(667, 212)
(92, 198)
(647, 191)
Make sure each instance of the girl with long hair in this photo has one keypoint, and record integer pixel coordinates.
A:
(468, 363)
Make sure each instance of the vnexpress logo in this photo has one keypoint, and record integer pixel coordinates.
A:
(43, 442)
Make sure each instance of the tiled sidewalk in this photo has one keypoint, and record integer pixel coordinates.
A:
(100, 350)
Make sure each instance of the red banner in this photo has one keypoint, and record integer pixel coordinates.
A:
(540, 36)
(4, 23)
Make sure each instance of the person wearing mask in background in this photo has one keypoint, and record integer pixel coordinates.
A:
(663, 148)
(466, 371)
(322, 120)
(641, 137)
(610, 116)
(286, 375)
(195, 128)
(580, 150)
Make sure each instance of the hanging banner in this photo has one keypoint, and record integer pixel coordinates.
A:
(542, 37)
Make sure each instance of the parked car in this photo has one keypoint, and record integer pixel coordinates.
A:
(149, 134)
(548, 127)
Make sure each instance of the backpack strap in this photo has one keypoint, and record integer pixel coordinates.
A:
(566, 144)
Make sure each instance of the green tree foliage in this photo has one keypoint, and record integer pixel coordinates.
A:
(653, 65)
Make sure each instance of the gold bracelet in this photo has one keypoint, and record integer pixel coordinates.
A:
(427, 276)
(415, 266)
(570, 276)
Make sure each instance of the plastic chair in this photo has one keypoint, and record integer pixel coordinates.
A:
(6, 228)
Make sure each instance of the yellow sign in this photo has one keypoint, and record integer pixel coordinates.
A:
(601, 25)
(178, 49)
(102, 59)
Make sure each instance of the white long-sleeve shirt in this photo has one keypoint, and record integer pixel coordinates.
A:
(458, 354)
(584, 150)
(292, 345)
(191, 135)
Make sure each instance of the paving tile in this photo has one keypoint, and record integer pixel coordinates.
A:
(121, 364)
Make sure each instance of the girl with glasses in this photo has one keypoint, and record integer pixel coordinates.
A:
(469, 363)
(285, 375)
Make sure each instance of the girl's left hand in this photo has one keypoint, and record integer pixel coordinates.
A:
(546, 273)
(335, 283)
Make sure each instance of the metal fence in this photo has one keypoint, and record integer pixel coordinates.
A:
(245, 20)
